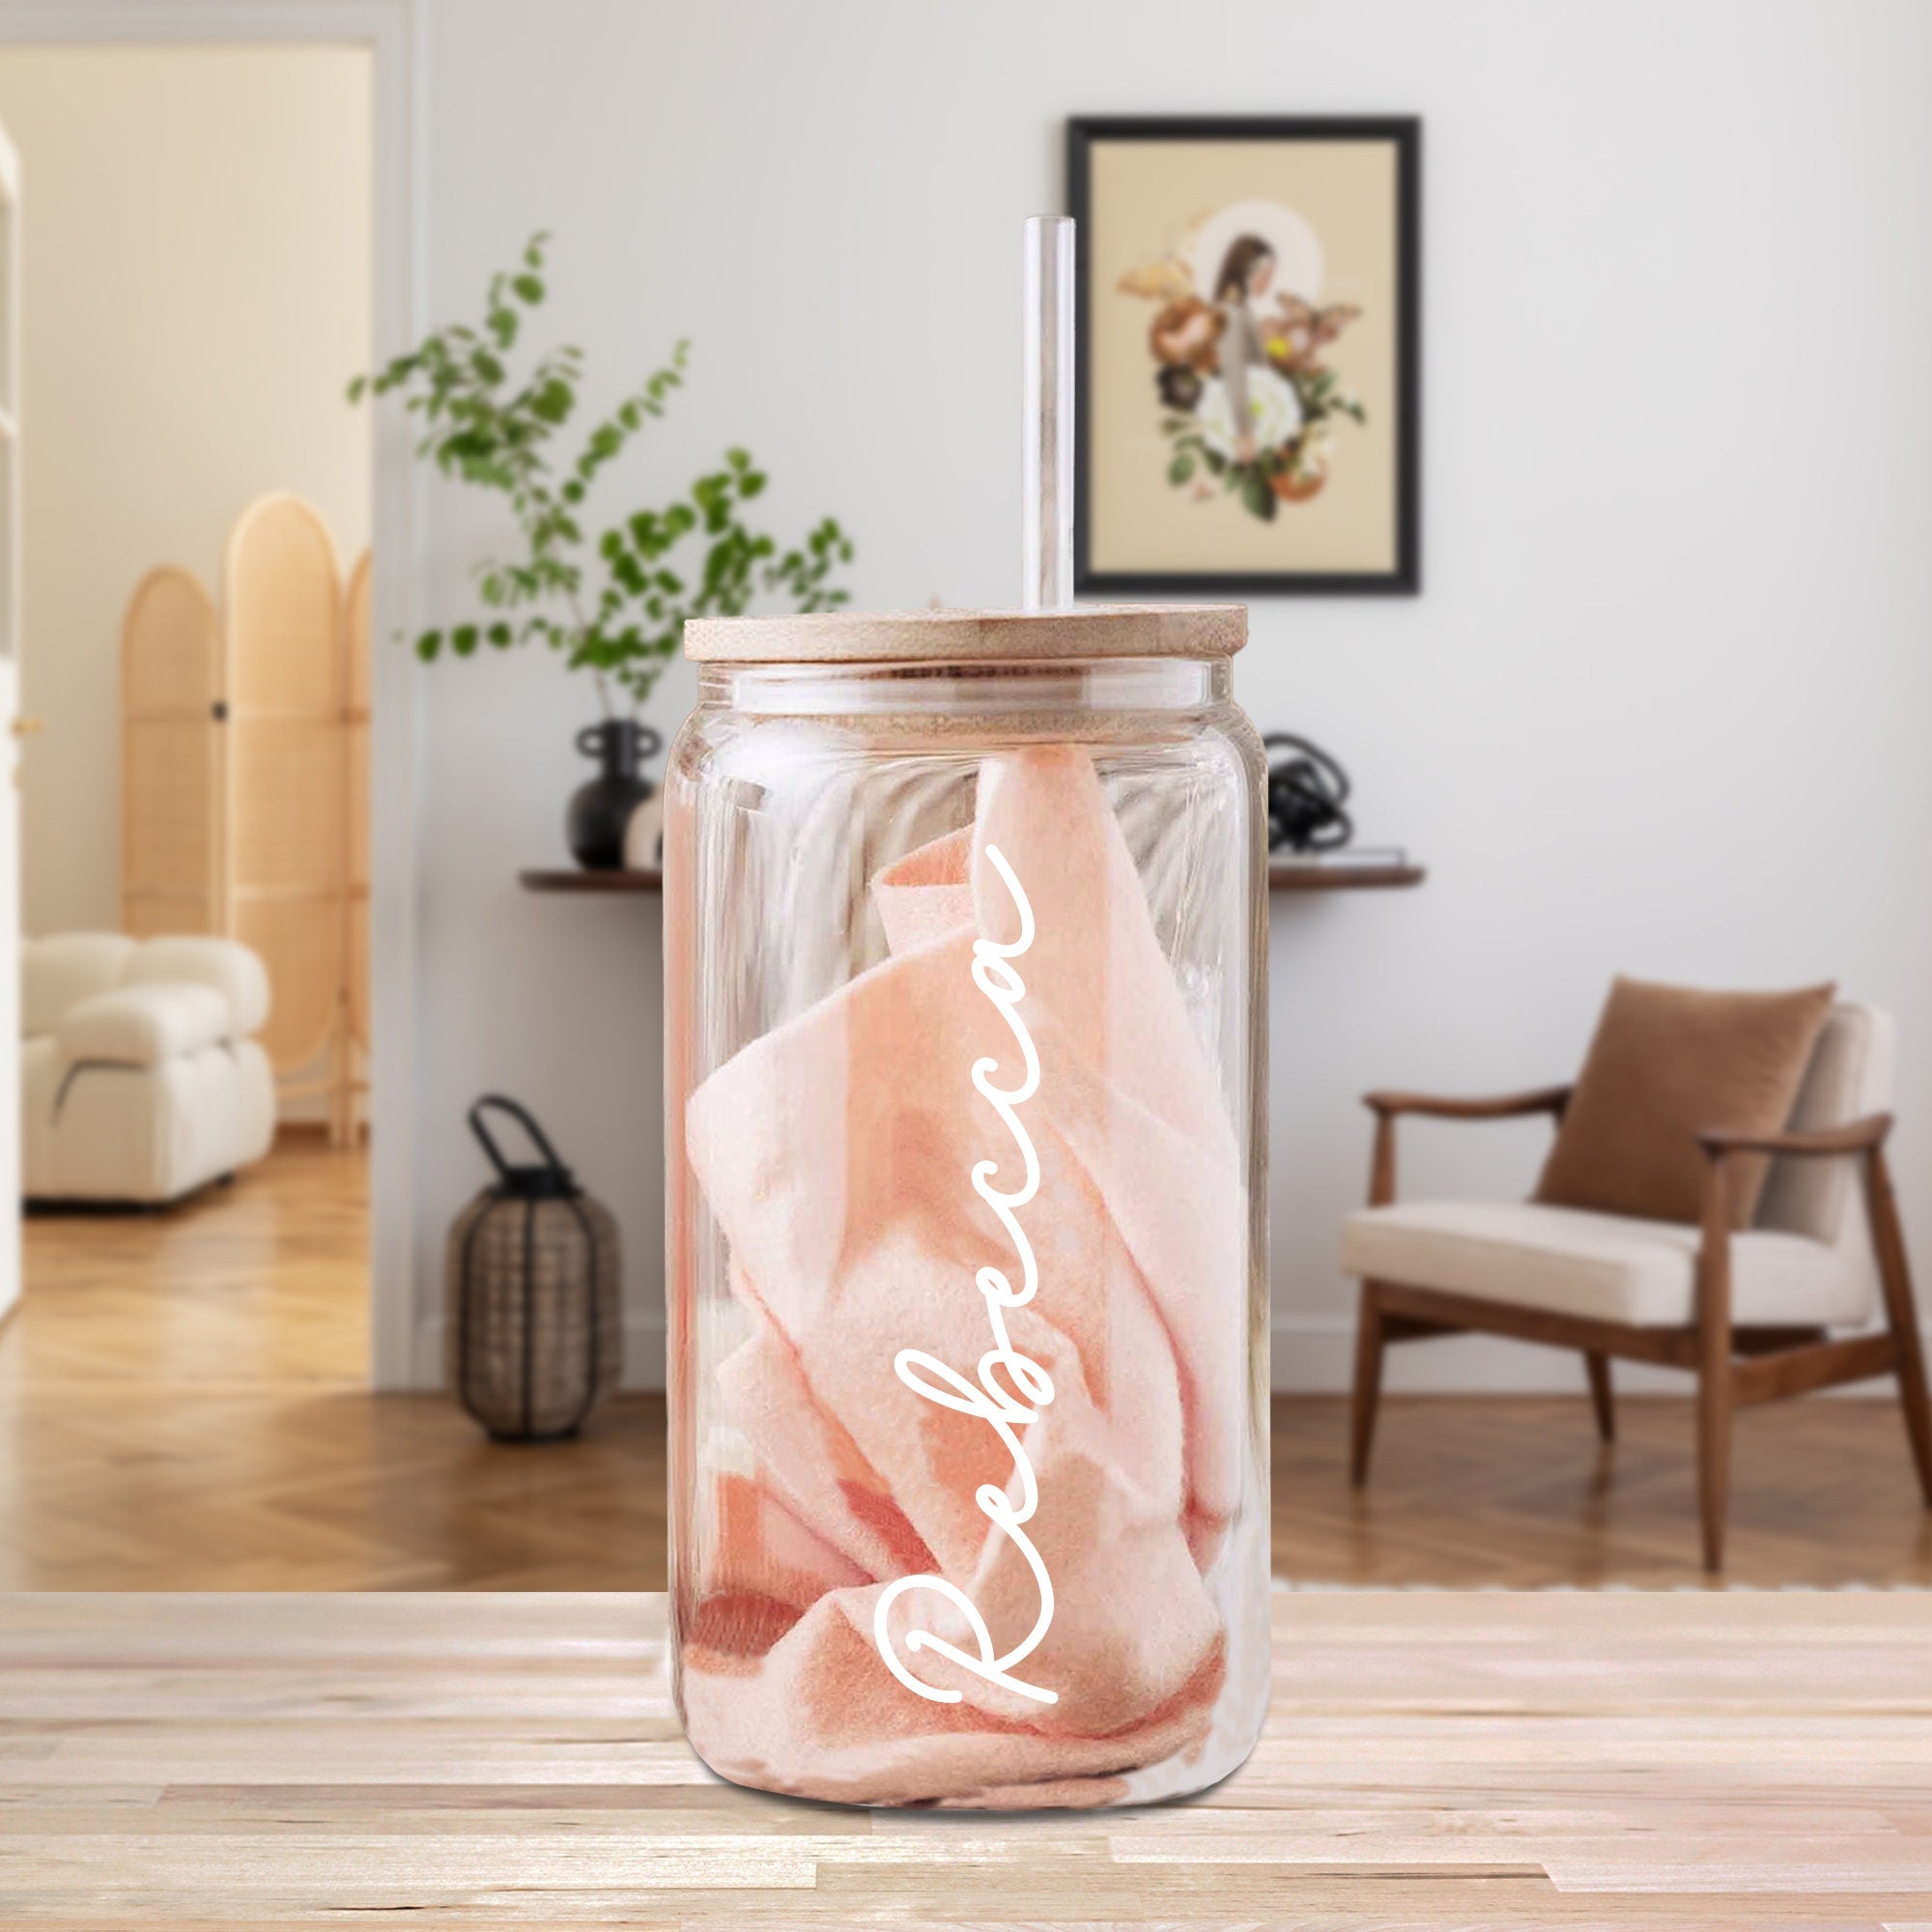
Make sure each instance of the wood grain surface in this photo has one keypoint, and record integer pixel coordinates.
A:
(1674, 1759)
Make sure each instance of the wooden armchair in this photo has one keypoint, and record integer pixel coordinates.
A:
(1750, 1313)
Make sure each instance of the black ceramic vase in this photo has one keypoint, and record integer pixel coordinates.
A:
(601, 810)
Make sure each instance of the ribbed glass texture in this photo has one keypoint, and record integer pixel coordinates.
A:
(966, 1274)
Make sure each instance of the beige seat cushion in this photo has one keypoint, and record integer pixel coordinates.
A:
(1574, 1262)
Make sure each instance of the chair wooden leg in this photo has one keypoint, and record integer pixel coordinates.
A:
(1600, 1398)
(1370, 1343)
(1714, 1365)
(1714, 1456)
(1901, 1315)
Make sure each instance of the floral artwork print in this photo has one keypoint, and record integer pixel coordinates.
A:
(1248, 404)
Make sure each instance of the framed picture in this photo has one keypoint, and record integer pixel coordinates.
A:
(1248, 384)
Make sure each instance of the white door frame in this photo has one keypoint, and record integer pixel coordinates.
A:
(12, 608)
(393, 31)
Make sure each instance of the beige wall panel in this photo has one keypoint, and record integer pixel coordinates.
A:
(288, 805)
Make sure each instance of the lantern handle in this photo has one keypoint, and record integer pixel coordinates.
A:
(521, 1116)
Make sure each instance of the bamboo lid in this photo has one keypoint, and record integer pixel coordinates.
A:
(965, 636)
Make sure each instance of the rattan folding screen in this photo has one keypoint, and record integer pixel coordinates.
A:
(244, 782)
(172, 865)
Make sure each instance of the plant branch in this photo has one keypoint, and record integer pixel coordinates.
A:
(616, 609)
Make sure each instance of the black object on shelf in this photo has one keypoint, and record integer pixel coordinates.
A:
(1306, 789)
(533, 1322)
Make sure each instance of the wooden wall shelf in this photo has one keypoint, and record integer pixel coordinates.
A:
(1284, 876)
(1287, 876)
(572, 880)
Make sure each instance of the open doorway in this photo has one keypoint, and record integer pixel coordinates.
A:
(195, 287)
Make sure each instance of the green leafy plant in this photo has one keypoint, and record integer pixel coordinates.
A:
(615, 607)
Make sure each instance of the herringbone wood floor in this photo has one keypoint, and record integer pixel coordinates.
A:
(182, 1407)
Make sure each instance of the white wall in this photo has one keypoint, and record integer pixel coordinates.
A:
(1661, 706)
(196, 293)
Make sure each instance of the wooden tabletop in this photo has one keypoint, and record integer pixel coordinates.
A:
(1617, 1759)
(1285, 875)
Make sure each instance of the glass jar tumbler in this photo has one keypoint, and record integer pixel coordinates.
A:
(965, 987)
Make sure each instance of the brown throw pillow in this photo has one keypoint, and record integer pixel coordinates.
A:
(1668, 1063)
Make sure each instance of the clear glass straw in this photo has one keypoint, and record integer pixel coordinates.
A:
(1048, 428)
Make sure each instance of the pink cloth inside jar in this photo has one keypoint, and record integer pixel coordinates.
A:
(836, 1154)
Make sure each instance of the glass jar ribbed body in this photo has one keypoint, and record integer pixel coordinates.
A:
(966, 1273)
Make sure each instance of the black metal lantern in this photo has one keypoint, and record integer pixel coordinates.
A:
(534, 1321)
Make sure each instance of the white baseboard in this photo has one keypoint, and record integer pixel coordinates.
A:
(1315, 1355)
(1312, 1356)
(643, 1353)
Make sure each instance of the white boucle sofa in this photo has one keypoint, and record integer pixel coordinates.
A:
(140, 1080)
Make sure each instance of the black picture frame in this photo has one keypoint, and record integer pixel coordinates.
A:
(1404, 132)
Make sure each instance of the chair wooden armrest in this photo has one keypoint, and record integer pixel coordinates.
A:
(1494, 1107)
(1854, 1137)
(1865, 1137)
(1388, 1108)
(1720, 1383)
